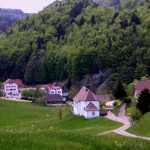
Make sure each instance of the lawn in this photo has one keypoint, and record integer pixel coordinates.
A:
(142, 126)
(26, 126)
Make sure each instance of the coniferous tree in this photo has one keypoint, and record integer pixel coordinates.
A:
(119, 91)
(144, 101)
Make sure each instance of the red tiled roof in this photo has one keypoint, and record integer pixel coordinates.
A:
(49, 86)
(16, 81)
(141, 85)
(85, 94)
(104, 97)
(91, 107)
(55, 97)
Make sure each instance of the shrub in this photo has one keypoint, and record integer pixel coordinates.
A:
(135, 116)
(40, 101)
(127, 100)
(144, 101)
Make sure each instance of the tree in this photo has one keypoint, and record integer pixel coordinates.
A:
(32, 94)
(119, 91)
(59, 110)
(93, 20)
(144, 101)
(1, 89)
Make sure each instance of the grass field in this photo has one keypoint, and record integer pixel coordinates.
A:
(142, 127)
(26, 126)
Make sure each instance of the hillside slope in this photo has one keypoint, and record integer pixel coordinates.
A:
(74, 38)
(8, 17)
(122, 4)
(142, 126)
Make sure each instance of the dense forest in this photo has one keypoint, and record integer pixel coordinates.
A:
(8, 17)
(122, 4)
(73, 38)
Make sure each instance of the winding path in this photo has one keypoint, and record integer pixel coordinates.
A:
(122, 130)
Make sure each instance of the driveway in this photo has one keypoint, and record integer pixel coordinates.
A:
(122, 130)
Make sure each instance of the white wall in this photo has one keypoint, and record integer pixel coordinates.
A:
(11, 90)
(90, 114)
(56, 91)
(79, 109)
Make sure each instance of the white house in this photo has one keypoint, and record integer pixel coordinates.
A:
(86, 104)
(12, 88)
(51, 89)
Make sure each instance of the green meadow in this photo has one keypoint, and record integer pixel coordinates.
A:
(28, 126)
(142, 127)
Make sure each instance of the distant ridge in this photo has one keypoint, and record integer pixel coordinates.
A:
(8, 17)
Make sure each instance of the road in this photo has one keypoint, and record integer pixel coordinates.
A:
(13, 99)
(126, 124)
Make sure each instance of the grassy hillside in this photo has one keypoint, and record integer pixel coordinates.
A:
(142, 127)
(26, 126)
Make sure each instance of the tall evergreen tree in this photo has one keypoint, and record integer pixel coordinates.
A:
(144, 101)
(119, 91)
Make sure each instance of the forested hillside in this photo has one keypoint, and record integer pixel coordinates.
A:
(74, 38)
(122, 4)
(9, 17)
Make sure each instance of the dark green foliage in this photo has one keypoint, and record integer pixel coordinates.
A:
(119, 91)
(34, 95)
(144, 101)
(1, 89)
(93, 21)
(127, 100)
(61, 42)
(135, 19)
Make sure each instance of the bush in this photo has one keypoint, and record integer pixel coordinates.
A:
(144, 101)
(127, 100)
(135, 116)
(40, 101)
(102, 106)
(117, 103)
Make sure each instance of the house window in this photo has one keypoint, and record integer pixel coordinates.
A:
(93, 113)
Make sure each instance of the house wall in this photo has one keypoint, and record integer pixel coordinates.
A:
(75, 108)
(92, 114)
(11, 90)
(79, 109)
(56, 91)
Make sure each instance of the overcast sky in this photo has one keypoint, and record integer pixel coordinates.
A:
(28, 6)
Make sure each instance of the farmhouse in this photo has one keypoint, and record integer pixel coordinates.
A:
(12, 88)
(86, 104)
(54, 100)
(141, 85)
(51, 89)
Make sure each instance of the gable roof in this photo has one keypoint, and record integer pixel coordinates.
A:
(85, 94)
(91, 107)
(104, 97)
(48, 87)
(16, 81)
(54, 97)
(141, 85)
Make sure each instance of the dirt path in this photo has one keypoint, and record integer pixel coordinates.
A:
(122, 111)
(13, 99)
(122, 130)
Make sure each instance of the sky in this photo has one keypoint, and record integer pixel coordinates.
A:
(27, 6)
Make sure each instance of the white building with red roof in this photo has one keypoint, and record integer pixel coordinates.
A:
(86, 104)
(140, 86)
(51, 89)
(12, 88)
